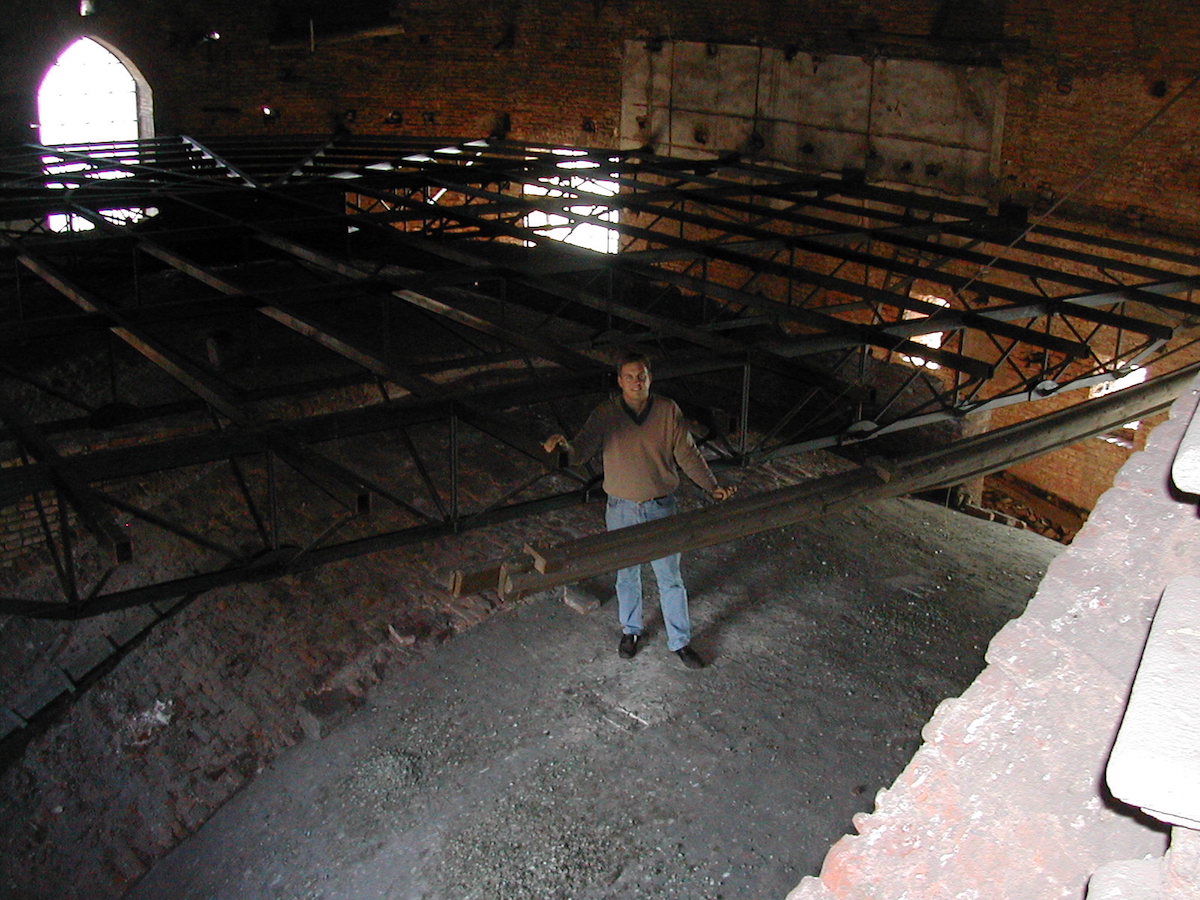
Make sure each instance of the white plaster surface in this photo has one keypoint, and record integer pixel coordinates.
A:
(1155, 763)
(1185, 470)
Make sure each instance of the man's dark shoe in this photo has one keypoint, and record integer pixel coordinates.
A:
(690, 657)
(628, 647)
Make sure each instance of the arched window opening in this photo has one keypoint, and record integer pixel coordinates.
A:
(90, 96)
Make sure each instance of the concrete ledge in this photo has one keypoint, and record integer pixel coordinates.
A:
(1137, 879)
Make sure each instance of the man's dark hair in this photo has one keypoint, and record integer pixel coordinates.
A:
(625, 357)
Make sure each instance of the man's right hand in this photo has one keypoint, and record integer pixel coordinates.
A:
(554, 442)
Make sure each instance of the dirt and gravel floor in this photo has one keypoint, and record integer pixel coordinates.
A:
(524, 759)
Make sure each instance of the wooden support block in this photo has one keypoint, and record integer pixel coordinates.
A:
(492, 577)
(542, 558)
(463, 582)
(511, 571)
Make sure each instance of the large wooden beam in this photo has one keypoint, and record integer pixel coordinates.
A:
(542, 568)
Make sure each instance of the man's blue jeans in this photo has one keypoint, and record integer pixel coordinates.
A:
(672, 595)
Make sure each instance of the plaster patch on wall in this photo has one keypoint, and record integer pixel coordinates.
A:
(911, 122)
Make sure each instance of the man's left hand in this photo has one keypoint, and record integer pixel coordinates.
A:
(724, 493)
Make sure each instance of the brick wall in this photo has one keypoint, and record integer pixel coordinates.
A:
(21, 525)
(1078, 85)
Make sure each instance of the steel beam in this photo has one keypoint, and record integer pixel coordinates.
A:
(86, 502)
(322, 470)
(212, 197)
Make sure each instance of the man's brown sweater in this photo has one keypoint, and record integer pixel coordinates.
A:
(642, 454)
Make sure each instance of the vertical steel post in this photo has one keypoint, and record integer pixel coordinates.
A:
(273, 499)
(1120, 334)
(19, 289)
(791, 281)
(112, 368)
(454, 469)
(137, 277)
(744, 414)
(955, 374)
(387, 325)
(68, 551)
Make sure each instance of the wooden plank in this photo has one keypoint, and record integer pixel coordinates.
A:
(464, 582)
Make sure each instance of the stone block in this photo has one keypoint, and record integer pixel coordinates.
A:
(811, 889)
(405, 639)
(83, 658)
(580, 599)
(162, 607)
(1181, 865)
(320, 713)
(128, 624)
(42, 690)
(9, 722)
(192, 814)
(241, 712)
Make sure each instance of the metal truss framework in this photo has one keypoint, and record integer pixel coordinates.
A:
(366, 338)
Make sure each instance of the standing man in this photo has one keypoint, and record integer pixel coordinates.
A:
(644, 442)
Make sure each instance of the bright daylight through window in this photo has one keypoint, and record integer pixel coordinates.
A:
(1133, 375)
(88, 97)
(567, 227)
(933, 339)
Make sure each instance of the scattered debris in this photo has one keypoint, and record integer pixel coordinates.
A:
(401, 640)
(142, 727)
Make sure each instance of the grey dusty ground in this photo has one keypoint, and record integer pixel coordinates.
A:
(524, 760)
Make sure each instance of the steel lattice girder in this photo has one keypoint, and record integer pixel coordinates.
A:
(411, 303)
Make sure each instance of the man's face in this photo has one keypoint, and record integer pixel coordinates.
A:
(634, 379)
